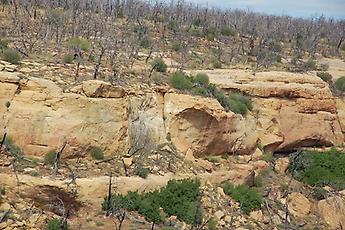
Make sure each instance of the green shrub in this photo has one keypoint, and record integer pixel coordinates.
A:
(4, 43)
(327, 77)
(248, 198)
(50, 157)
(97, 153)
(7, 104)
(200, 91)
(79, 44)
(179, 80)
(141, 171)
(238, 103)
(176, 46)
(196, 32)
(226, 31)
(55, 224)
(319, 168)
(145, 42)
(267, 157)
(68, 58)
(340, 83)
(319, 193)
(212, 224)
(179, 198)
(202, 79)
(171, 25)
(11, 56)
(217, 64)
(13, 148)
(159, 65)
(310, 65)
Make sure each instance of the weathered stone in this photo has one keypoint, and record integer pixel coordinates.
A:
(282, 164)
(96, 88)
(219, 214)
(298, 204)
(332, 210)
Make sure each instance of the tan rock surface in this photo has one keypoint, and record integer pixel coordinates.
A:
(292, 110)
(332, 210)
(298, 204)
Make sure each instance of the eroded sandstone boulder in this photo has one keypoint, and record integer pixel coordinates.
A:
(332, 210)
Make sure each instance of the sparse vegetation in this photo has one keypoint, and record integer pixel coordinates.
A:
(248, 198)
(340, 84)
(327, 77)
(97, 153)
(50, 157)
(159, 65)
(319, 168)
(141, 171)
(55, 224)
(68, 58)
(11, 55)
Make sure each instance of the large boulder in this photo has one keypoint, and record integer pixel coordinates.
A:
(332, 210)
(298, 205)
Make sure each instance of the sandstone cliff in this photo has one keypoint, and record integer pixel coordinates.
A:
(290, 110)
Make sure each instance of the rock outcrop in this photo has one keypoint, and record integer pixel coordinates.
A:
(290, 110)
(293, 110)
(40, 117)
(332, 211)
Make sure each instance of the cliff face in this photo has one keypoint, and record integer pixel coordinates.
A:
(290, 110)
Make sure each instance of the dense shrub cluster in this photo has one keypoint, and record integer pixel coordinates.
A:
(200, 85)
(178, 198)
(340, 83)
(141, 171)
(327, 77)
(78, 44)
(248, 198)
(319, 168)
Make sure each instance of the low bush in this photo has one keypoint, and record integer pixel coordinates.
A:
(319, 193)
(176, 46)
(319, 168)
(50, 157)
(248, 198)
(4, 43)
(159, 65)
(68, 58)
(145, 42)
(217, 64)
(340, 83)
(200, 91)
(97, 153)
(212, 223)
(141, 171)
(202, 79)
(327, 77)
(226, 31)
(55, 224)
(181, 81)
(11, 55)
(310, 65)
(78, 44)
(13, 148)
(178, 198)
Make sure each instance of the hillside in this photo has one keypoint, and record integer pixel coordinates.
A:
(137, 115)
